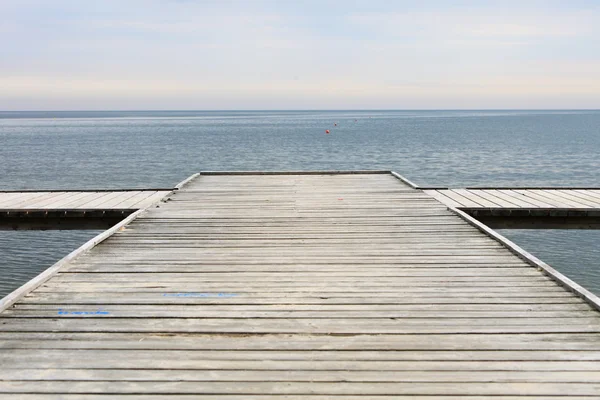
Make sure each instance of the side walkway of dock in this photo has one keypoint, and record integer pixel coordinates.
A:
(526, 208)
(72, 209)
(80, 199)
(299, 286)
(519, 198)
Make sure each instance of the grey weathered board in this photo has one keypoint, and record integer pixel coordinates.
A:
(299, 286)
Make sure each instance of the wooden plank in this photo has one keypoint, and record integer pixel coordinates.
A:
(493, 200)
(573, 197)
(28, 198)
(427, 308)
(289, 387)
(299, 274)
(75, 202)
(301, 298)
(116, 202)
(474, 196)
(592, 194)
(303, 326)
(404, 180)
(142, 200)
(512, 198)
(441, 197)
(11, 200)
(566, 199)
(157, 311)
(546, 198)
(163, 375)
(127, 358)
(240, 344)
(6, 199)
(459, 198)
(63, 202)
(102, 198)
(524, 196)
(43, 202)
(585, 195)
(145, 202)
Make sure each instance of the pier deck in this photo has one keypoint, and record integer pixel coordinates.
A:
(519, 198)
(72, 209)
(545, 208)
(306, 286)
(80, 200)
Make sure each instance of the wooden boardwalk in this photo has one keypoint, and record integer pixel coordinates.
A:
(312, 286)
(80, 200)
(72, 209)
(570, 199)
(542, 208)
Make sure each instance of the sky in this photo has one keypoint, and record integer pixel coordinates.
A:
(304, 54)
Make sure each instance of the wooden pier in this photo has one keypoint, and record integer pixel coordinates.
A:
(72, 209)
(542, 208)
(80, 199)
(300, 286)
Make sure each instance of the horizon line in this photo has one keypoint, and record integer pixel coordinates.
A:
(308, 109)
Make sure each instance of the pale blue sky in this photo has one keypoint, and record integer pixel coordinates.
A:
(151, 54)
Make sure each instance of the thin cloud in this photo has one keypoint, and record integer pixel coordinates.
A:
(198, 54)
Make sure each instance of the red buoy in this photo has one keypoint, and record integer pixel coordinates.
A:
(327, 131)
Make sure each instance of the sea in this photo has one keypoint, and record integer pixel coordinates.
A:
(153, 149)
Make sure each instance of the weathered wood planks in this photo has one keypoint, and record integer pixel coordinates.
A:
(300, 286)
(518, 198)
(542, 208)
(72, 209)
(83, 200)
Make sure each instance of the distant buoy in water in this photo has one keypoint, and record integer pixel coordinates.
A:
(327, 131)
(335, 124)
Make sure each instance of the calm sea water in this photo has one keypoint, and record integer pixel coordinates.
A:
(56, 150)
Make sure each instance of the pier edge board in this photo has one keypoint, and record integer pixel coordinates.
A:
(405, 180)
(326, 172)
(185, 182)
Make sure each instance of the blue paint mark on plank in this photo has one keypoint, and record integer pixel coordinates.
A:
(96, 312)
